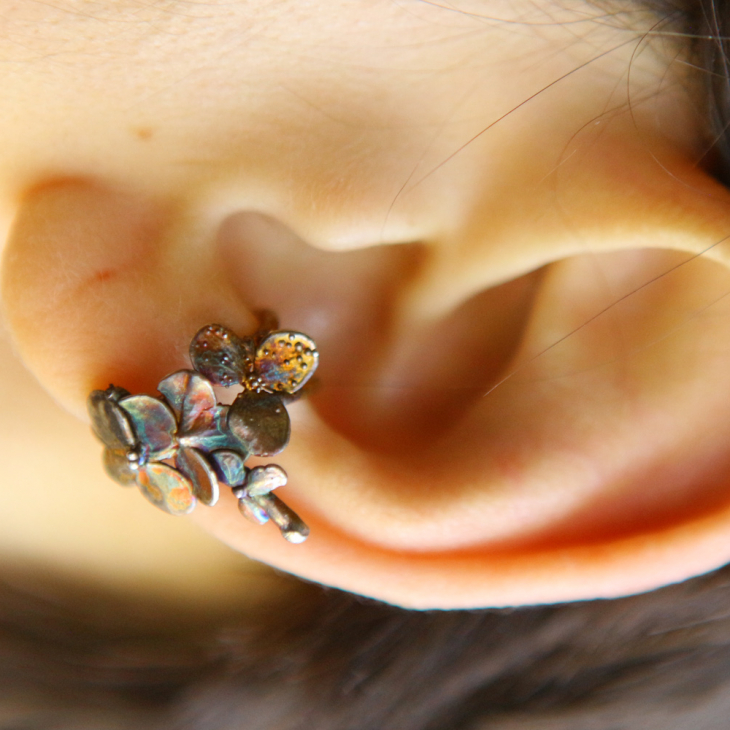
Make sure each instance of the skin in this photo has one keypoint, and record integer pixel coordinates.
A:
(502, 240)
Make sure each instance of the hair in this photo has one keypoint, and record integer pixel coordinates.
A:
(709, 24)
(76, 657)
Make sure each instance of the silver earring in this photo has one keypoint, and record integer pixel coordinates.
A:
(181, 447)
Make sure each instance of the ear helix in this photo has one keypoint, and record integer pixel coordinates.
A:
(95, 288)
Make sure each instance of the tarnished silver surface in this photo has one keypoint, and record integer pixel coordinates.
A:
(154, 425)
(118, 468)
(190, 396)
(252, 510)
(179, 448)
(260, 420)
(264, 479)
(289, 522)
(230, 467)
(258, 504)
(203, 424)
(221, 355)
(110, 422)
(201, 473)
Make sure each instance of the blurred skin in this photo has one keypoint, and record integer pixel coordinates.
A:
(52, 485)
(489, 215)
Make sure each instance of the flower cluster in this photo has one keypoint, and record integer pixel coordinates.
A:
(180, 448)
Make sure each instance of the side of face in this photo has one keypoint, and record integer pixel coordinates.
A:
(491, 219)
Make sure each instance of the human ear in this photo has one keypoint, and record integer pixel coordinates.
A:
(544, 490)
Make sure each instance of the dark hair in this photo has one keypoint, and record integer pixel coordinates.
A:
(72, 657)
(709, 24)
(75, 659)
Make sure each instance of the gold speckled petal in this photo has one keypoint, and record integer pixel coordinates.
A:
(198, 470)
(154, 424)
(285, 361)
(166, 488)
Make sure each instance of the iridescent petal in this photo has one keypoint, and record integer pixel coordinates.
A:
(118, 468)
(166, 488)
(261, 422)
(201, 474)
(264, 479)
(220, 355)
(230, 467)
(213, 433)
(285, 361)
(154, 424)
(190, 396)
(110, 422)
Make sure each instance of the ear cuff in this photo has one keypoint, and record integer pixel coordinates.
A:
(181, 447)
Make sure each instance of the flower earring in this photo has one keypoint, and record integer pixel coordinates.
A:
(180, 448)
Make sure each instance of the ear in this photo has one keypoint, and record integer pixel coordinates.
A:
(598, 465)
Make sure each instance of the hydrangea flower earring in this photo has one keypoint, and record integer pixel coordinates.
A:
(181, 447)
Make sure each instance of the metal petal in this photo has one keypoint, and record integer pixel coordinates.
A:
(261, 422)
(110, 422)
(285, 361)
(117, 466)
(196, 468)
(166, 488)
(154, 424)
(190, 396)
(213, 433)
(230, 467)
(221, 356)
(264, 479)
(116, 393)
(286, 519)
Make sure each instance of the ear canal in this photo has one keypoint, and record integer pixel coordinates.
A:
(95, 289)
(394, 381)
